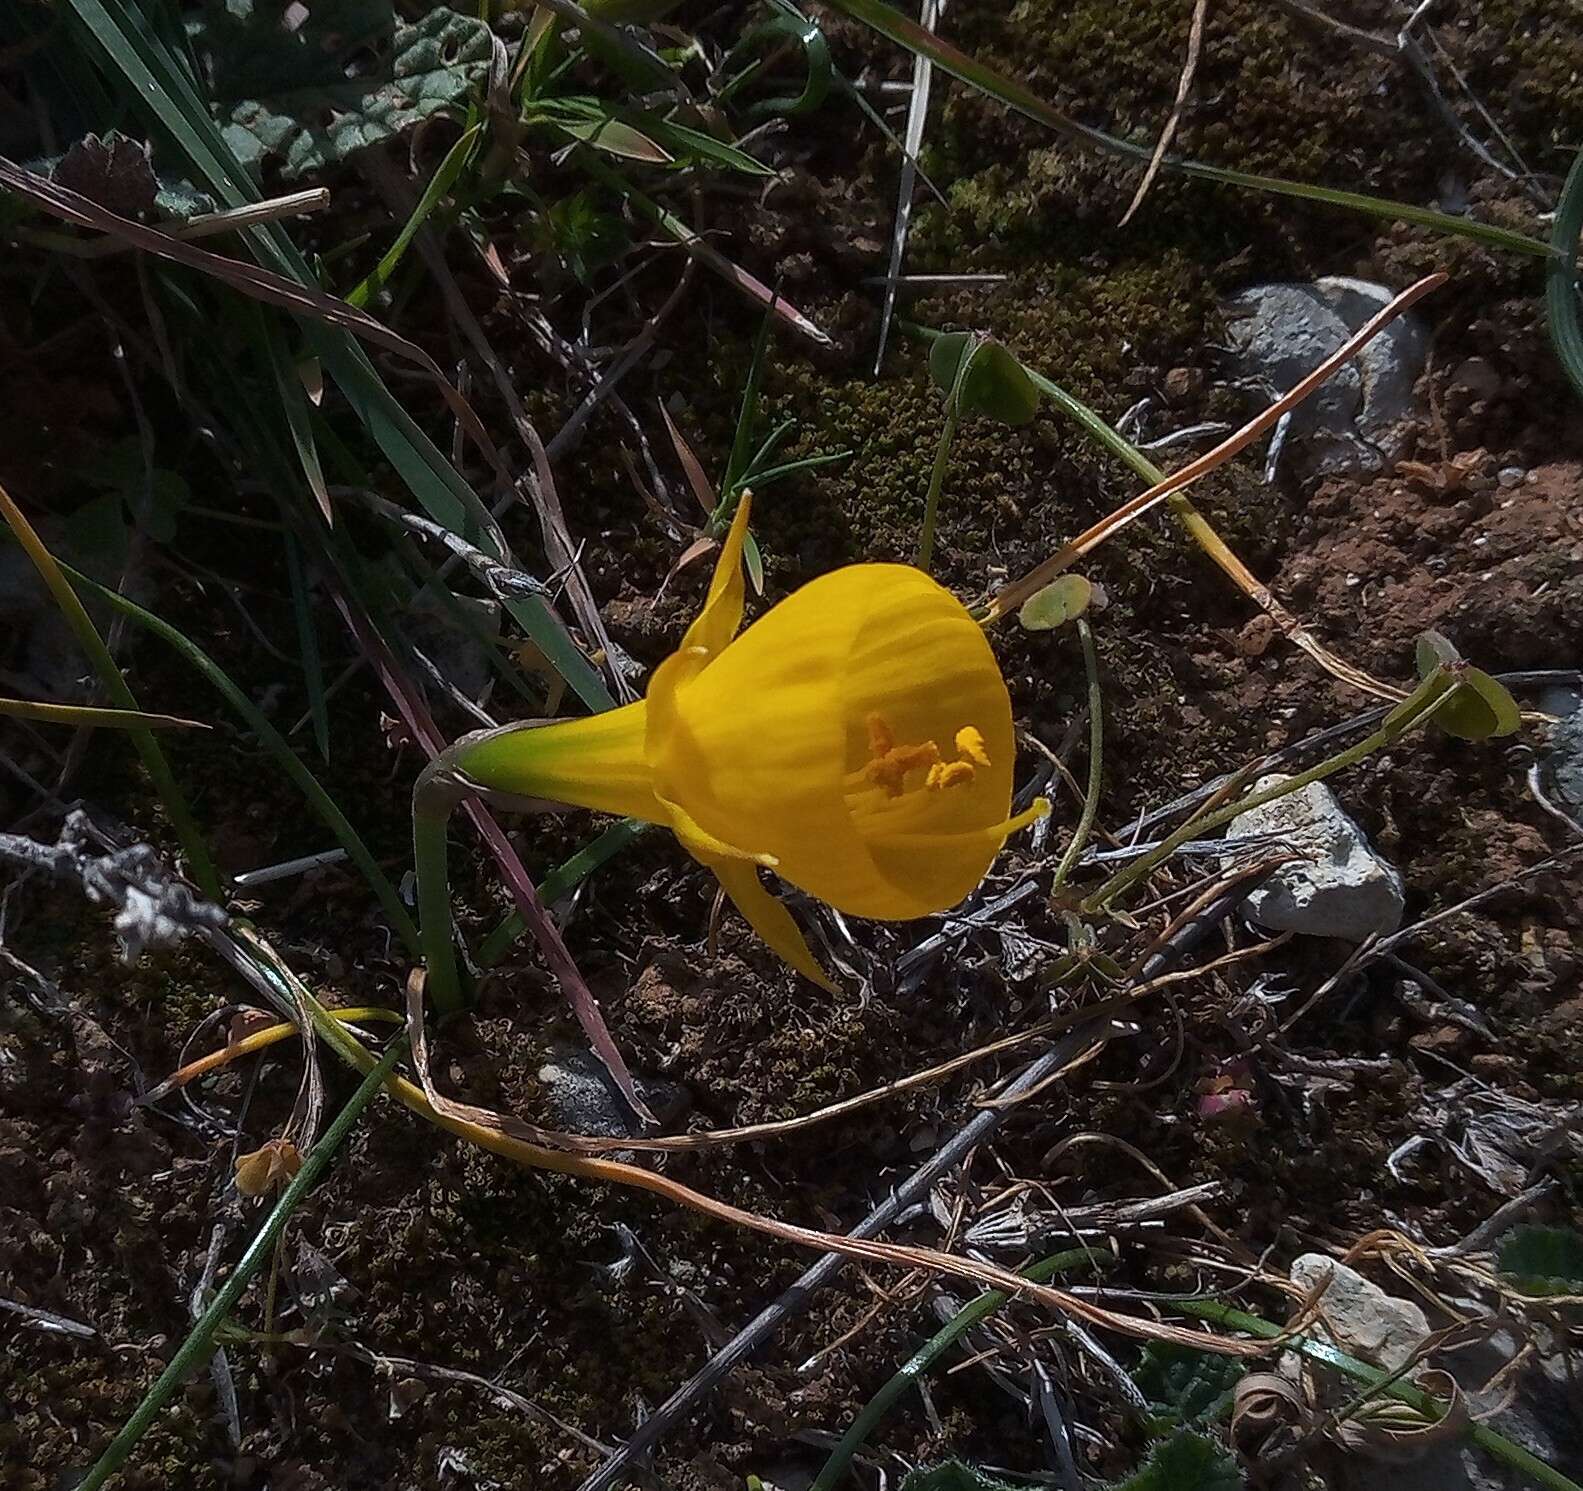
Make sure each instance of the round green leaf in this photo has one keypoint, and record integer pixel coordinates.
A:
(945, 357)
(1479, 709)
(997, 385)
(1061, 601)
(1433, 651)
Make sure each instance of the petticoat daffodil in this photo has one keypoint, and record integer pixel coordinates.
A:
(857, 740)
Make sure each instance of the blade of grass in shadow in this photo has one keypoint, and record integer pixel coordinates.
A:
(912, 1371)
(308, 647)
(199, 1344)
(702, 250)
(87, 716)
(907, 33)
(279, 747)
(445, 176)
(109, 671)
(1561, 279)
(120, 37)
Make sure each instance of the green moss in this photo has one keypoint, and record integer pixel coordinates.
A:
(1086, 328)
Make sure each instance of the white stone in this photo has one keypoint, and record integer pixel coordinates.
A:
(1340, 888)
(1367, 1321)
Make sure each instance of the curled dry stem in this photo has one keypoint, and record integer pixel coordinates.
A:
(257, 960)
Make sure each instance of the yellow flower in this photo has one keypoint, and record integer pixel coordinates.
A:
(857, 739)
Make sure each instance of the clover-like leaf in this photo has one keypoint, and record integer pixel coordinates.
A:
(994, 382)
(313, 85)
(1062, 600)
(1481, 706)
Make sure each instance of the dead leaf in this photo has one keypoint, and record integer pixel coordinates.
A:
(114, 171)
(269, 1167)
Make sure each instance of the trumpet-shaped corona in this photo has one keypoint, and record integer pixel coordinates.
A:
(857, 740)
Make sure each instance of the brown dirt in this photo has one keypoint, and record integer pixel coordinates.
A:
(451, 1259)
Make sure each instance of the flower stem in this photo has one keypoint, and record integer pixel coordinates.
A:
(1096, 758)
(931, 503)
(942, 452)
(434, 798)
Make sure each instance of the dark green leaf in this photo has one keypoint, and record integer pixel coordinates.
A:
(952, 1476)
(1186, 1386)
(999, 386)
(346, 77)
(1185, 1462)
(583, 236)
(1543, 1260)
(945, 357)
(994, 384)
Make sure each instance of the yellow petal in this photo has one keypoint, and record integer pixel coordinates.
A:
(717, 623)
(702, 844)
(771, 920)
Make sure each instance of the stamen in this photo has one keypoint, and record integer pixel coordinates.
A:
(970, 745)
(949, 774)
(890, 770)
(881, 738)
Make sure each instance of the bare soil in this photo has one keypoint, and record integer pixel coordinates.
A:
(423, 1254)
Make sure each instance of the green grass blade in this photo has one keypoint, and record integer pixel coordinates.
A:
(280, 748)
(747, 414)
(90, 717)
(1561, 279)
(119, 35)
(308, 647)
(104, 664)
(444, 178)
(908, 33)
(911, 1372)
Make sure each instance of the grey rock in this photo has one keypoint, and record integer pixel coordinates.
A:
(1367, 1321)
(582, 1100)
(1562, 766)
(1360, 419)
(1341, 888)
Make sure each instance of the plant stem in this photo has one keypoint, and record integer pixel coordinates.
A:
(1429, 696)
(931, 503)
(1096, 758)
(913, 1369)
(195, 1350)
(1485, 1438)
